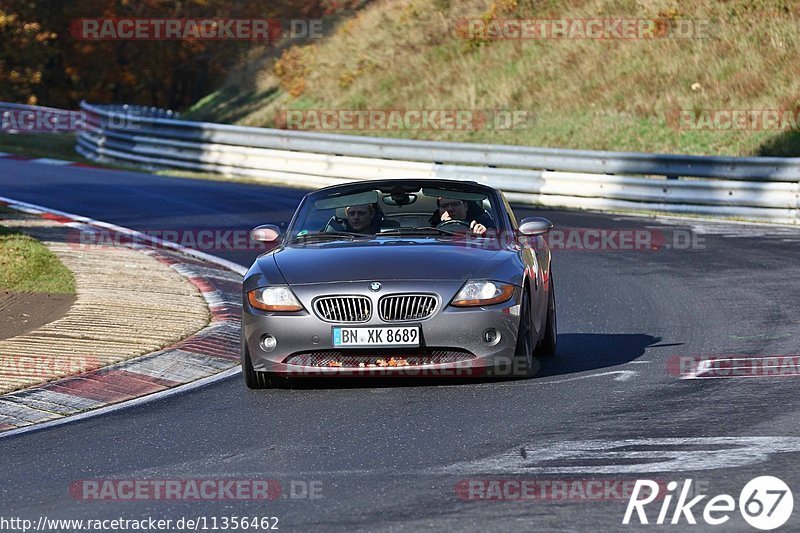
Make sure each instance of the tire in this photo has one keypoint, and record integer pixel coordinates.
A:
(548, 344)
(253, 379)
(525, 342)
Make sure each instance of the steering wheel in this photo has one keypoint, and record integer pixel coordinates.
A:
(454, 225)
(334, 224)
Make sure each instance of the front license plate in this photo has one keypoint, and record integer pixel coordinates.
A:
(372, 337)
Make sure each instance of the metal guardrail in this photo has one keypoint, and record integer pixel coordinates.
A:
(141, 111)
(755, 188)
(6, 106)
(22, 118)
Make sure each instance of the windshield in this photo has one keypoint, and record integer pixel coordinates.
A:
(405, 210)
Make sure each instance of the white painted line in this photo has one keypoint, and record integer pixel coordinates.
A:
(27, 210)
(217, 299)
(48, 161)
(622, 375)
(740, 377)
(124, 405)
(707, 220)
(206, 272)
(703, 367)
(81, 226)
(761, 364)
(628, 456)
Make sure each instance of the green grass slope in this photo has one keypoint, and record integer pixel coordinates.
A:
(27, 265)
(613, 94)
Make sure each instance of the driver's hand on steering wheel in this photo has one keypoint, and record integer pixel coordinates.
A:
(477, 228)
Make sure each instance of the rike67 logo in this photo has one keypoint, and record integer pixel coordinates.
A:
(765, 503)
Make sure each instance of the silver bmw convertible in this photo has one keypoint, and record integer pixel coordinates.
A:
(432, 278)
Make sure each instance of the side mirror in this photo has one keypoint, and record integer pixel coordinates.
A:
(533, 226)
(265, 233)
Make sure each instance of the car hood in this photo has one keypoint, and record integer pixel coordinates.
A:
(380, 259)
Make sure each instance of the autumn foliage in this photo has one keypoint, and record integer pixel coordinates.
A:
(42, 63)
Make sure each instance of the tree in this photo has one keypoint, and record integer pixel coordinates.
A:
(42, 62)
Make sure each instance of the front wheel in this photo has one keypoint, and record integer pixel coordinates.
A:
(525, 341)
(253, 379)
(547, 346)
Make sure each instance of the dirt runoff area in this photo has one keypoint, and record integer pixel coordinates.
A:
(21, 312)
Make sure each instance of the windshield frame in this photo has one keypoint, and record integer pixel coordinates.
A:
(385, 186)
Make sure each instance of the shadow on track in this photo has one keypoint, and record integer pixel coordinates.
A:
(577, 352)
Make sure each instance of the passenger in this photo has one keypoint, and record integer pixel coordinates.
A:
(469, 212)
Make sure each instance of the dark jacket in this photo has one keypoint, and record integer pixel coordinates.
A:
(474, 212)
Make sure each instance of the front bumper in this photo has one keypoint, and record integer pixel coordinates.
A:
(302, 336)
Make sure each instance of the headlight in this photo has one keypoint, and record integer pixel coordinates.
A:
(274, 299)
(475, 293)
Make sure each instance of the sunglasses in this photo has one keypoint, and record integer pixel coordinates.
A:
(450, 205)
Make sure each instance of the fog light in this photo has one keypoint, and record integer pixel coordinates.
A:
(268, 343)
(491, 336)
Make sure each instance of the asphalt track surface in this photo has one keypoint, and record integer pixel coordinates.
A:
(389, 456)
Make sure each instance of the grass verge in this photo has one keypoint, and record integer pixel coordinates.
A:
(52, 145)
(27, 265)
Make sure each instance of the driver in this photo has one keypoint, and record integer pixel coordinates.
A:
(360, 219)
(454, 209)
